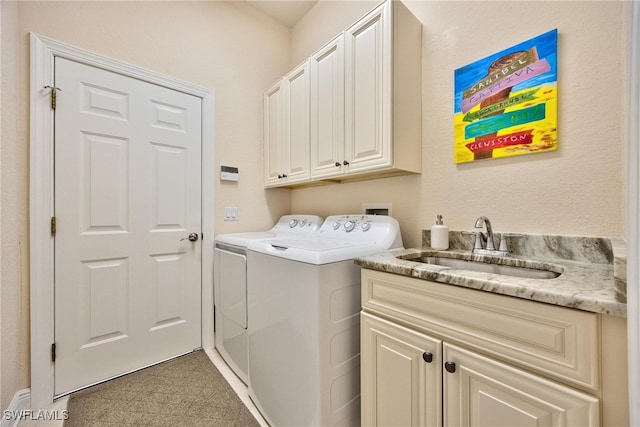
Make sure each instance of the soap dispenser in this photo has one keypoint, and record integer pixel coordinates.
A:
(439, 235)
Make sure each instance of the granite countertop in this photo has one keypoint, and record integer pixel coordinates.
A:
(583, 284)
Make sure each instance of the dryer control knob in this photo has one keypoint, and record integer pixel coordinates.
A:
(336, 225)
(302, 222)
(293, 223)
(349, 225)
(366, 226)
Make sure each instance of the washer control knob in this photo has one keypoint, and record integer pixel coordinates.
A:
(366, 226)
(349, 226)
(336, 225)
(293, 223)
(302, 222)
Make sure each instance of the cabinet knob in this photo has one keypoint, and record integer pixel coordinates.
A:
(279, 176)
(346, 163)
(450, 367)
(337, 164)
(427, 357)
(284, 175)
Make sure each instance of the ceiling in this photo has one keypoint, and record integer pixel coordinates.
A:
(287, 12)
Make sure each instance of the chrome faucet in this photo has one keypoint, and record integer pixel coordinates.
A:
(484, 244)
(489, 244)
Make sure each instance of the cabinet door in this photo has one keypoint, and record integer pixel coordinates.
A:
(327, 110)
(401, 375)
(296, 125)
(368, 90)
(483, 392)
(274, 99)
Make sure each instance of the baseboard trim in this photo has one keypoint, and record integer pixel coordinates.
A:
(21, 402)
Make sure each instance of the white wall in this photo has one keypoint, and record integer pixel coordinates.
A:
(577, 190)
(228, 47)
(14, 178)
(236, 51)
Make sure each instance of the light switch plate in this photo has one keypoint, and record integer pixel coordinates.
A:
(231, 213)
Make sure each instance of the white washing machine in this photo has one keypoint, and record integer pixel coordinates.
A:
(230, 286)
(304, 324)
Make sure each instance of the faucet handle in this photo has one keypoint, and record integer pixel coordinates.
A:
(503, 240)
(477, 244)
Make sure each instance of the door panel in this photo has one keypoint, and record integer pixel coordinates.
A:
(127, 193)
(297, 125)
(483, 392)
(104, 172)
(368, 91)
(104, 301)
(273, 130)
(327, 109)
(401, 386)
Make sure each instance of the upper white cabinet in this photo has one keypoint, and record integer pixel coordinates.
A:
(327, 109)
(286, 129)
(365, 100)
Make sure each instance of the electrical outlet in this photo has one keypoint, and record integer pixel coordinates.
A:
(231, 213)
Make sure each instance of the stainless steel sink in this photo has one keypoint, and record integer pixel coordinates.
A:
(486, 267)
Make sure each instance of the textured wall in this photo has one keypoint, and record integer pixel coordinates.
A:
(238, 52)
(14, 216)
(577, 190)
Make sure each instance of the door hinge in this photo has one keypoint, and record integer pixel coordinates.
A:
(53, 225)
(53, 352)
(54, 91)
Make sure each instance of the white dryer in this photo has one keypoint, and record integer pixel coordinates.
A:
(230, 285)
(304, 323)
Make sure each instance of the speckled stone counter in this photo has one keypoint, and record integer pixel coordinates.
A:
(586, 282)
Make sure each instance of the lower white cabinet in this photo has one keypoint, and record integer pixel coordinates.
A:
(412, 379)
(479, 391)
(401, 381)
(439, 355)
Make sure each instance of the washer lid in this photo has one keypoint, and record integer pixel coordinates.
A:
(340, 238)
(287, 225)
(317, 244)
(316, 251)
(242, 239)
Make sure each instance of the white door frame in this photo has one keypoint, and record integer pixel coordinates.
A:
(43, 52)
(633, 220)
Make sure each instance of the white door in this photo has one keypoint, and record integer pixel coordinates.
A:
(273, 134)
(296, 126)
(327, 110)
(401, 375)
(368, 87)
(127, 195)
(482, 392)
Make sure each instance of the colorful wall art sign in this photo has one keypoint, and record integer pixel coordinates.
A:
(506, 104)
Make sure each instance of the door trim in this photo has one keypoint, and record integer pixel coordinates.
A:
(633, 222)
(43, 53)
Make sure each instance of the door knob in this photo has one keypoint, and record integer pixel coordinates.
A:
(193, 237)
